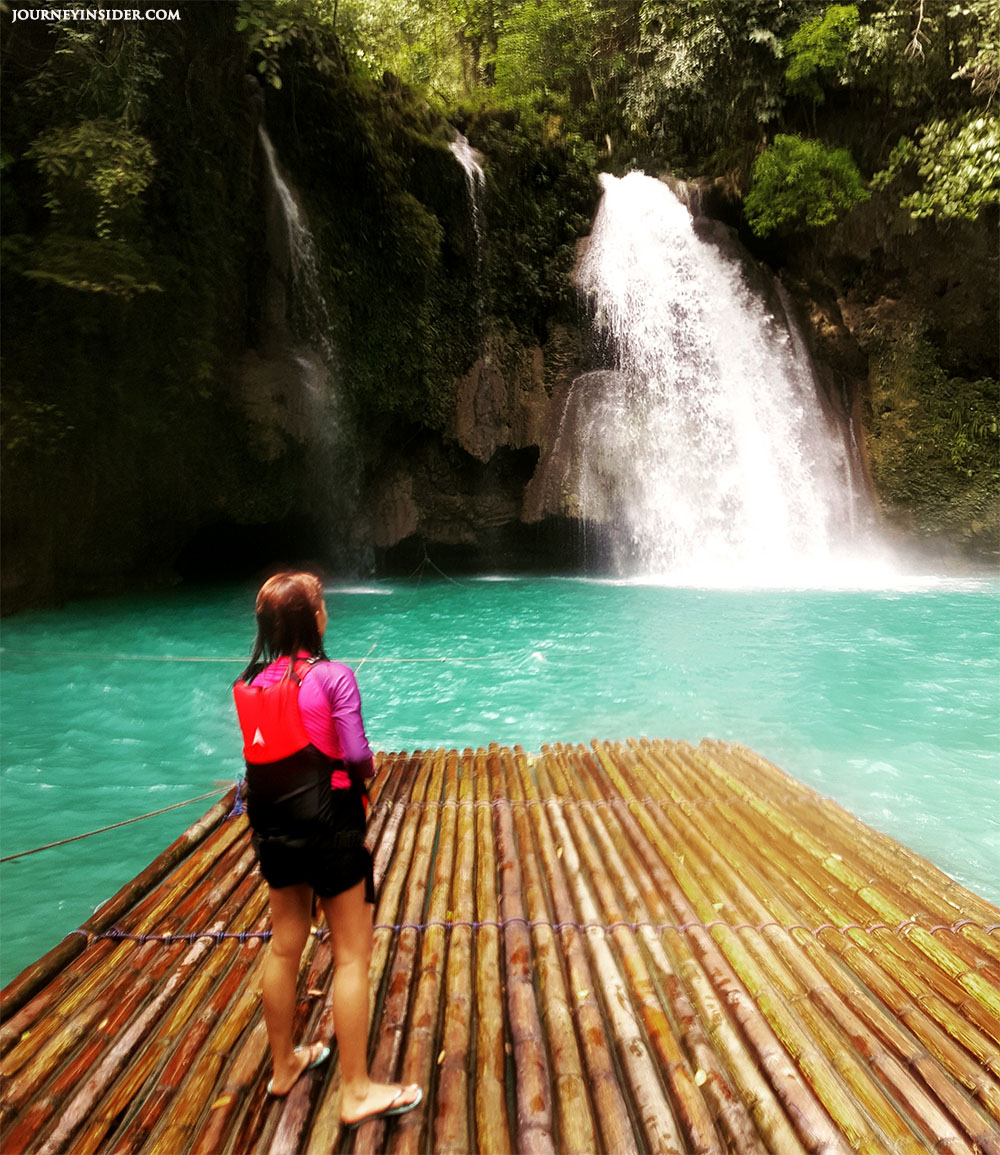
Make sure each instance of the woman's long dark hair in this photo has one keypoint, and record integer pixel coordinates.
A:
(286, 621)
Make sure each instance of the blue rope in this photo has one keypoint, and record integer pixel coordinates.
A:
(239, 807)
(244, 936)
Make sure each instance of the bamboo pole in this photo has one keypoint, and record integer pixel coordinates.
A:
(493, 1134)
(136, 990)
(873, 960)
(121, 993)
(423, 1034)
(452, 1130)
(531, 1068)
(972, 1122)
(388, 810)
(878, 1029)
(390, 797)
(109, 993)
(835, 1026)
(651, 1105)
(939, 891)
(667, 960)
(796, 1094)
(186, 1084)
(979, 988)
(33, 978)
(387, 1057)
(79, 1107)
(652, 874)
(672, 957)
(575, 1129)
(815, 876)
(621, 900)
(236, 1098)
(927, 893)
(180, 1037)
(930, 989)
(790, 905)
(32, 1023)
(604, 1103)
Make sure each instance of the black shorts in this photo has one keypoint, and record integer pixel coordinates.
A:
(312, 835)
(328, 868)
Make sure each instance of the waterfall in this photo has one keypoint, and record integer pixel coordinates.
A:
(291, 382)
(475, 180)
(702, 446)
(308, 308)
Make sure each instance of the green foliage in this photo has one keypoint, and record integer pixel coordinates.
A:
(26, 422)
(818, 51)
(801, 184)
(95, 173)
(273, 26)
(981, 44)
(419, 41)
(541, 196)
(99, 69)
(711, 74)
(543, 51)
(107, 265)
(970, 426)
(933, 444)
(541, 57)
(958, 163)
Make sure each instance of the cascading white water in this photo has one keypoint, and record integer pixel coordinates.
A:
(705, 448)
(294, 382)
(309, 308)
(475, 180)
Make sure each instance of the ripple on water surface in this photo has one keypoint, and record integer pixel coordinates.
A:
(887, 700)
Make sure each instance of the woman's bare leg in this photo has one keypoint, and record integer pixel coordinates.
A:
(291, 910)
(350, 920)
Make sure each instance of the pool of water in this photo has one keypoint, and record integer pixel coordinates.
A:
(888, 700)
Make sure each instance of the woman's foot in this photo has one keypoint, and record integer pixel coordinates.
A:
(382, 1101)
(303, 1059)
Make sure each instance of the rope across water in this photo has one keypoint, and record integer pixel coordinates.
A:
(242, 661)
(113, 826)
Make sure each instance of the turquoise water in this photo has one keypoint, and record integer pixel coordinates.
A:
(886, 700)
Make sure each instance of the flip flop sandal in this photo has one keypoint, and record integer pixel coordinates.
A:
(323, 1056)
(389, 1111)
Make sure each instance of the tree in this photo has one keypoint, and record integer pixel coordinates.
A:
(710, 75)
(957, 162)
(800, 184)
(819, 51)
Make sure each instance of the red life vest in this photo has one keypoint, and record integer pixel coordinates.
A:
(270, 719)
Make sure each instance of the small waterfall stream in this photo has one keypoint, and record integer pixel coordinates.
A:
(475, 180)
(703, 446)
(294, 383)
(308, 308)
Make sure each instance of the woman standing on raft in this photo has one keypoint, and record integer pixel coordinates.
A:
(307, 761)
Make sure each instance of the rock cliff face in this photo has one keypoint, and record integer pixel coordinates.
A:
(469, 489)
(903, 325)
(193, 430)
(127, 458)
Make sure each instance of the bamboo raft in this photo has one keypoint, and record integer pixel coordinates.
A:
(624, 947)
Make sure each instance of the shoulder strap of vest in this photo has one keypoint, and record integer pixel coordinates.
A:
(303, 667)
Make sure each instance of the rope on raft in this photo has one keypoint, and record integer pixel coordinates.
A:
(239, 807)
(502, 924)
(126, 822)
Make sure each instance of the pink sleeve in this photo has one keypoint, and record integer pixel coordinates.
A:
(330, 702)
